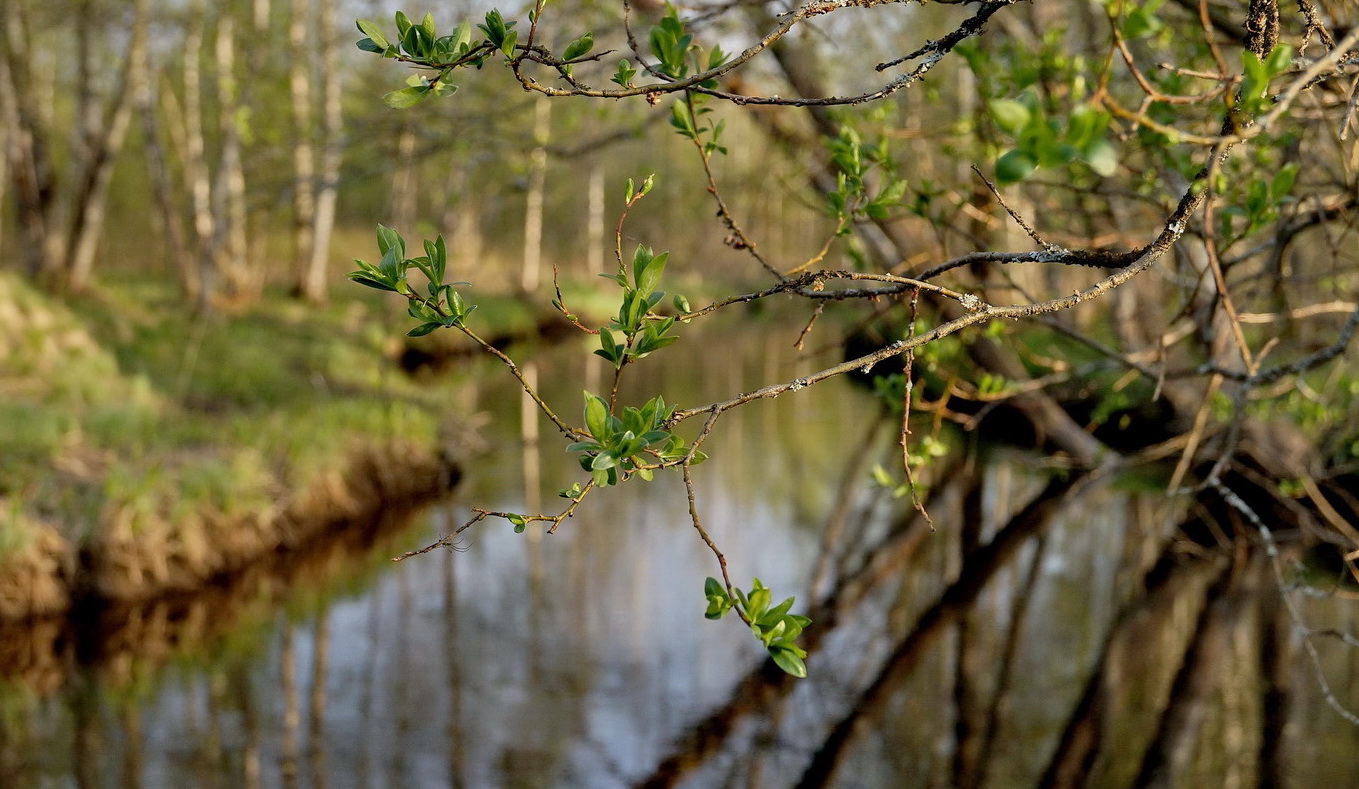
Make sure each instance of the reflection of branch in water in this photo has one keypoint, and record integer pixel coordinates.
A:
(956, 600)
(1082, 736)
(1005, 675)
(1276, 675)
(1188, 703)
(766, 684)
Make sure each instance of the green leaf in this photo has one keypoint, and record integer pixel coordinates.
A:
(1282, 184)
(682, 119)
(403, 23)
(462, 37)
(424, 328)
(579, 47)
(788, 661)
(374, 33)
(597, 417)
(650, 276)
(1102, 158)
(519, 521)
(758, 602)
(623, 78)
(364, 278)
(1011, 116)
(406, 97)
(439, 258)
(1014, 166)
(775, 614)
(388, 239)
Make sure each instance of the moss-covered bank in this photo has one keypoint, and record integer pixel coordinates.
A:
(146, 451)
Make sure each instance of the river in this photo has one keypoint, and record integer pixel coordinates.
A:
(582, 658)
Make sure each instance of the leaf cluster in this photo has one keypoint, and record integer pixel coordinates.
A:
(858, 166)
(421, 44)
(643, 331)
(1043, 141)
(443, 307)
(621, 443)
(775, 627)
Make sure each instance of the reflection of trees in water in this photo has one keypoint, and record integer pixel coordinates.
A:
(1191, 679)
(1055, 631)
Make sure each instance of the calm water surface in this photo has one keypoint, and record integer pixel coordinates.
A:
(582, 659)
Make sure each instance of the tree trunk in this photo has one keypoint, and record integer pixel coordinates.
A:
(304, 167)
(405, 182)
(34, 177)
(531, 273)
(195, 162)
(327, 188)
(228, 189)
(100, 148)
(168, 220)
(594, 246)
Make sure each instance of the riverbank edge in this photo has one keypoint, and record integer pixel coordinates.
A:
(53, 576)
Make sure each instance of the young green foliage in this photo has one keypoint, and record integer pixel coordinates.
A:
(775, 627)
(442, 307)
(644, 331)
(858, 165)
(1042, 141)
(634, 442)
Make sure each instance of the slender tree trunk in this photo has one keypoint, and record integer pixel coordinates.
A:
(228, 188)
(8, 127)
(405, 182)
(195, 161)
(531, 273)
(461, 217)
(34, 177)
(327, 188)
(168, 221)
(594, 247)
(304, 166)
(100, 148)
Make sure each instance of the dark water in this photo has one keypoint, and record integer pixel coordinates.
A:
(582, 658)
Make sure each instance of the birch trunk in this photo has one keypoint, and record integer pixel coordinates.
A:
(594, 247)
(195, 163)
(100, 148)
(167, 217)
(327, 187)
(404, 181)
(531, 273)
(304, 167)
(228, 189)
(34, 178)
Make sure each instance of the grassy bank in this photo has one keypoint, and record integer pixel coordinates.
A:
(143, 448)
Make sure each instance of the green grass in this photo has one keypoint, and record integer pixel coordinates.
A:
(126, 402)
